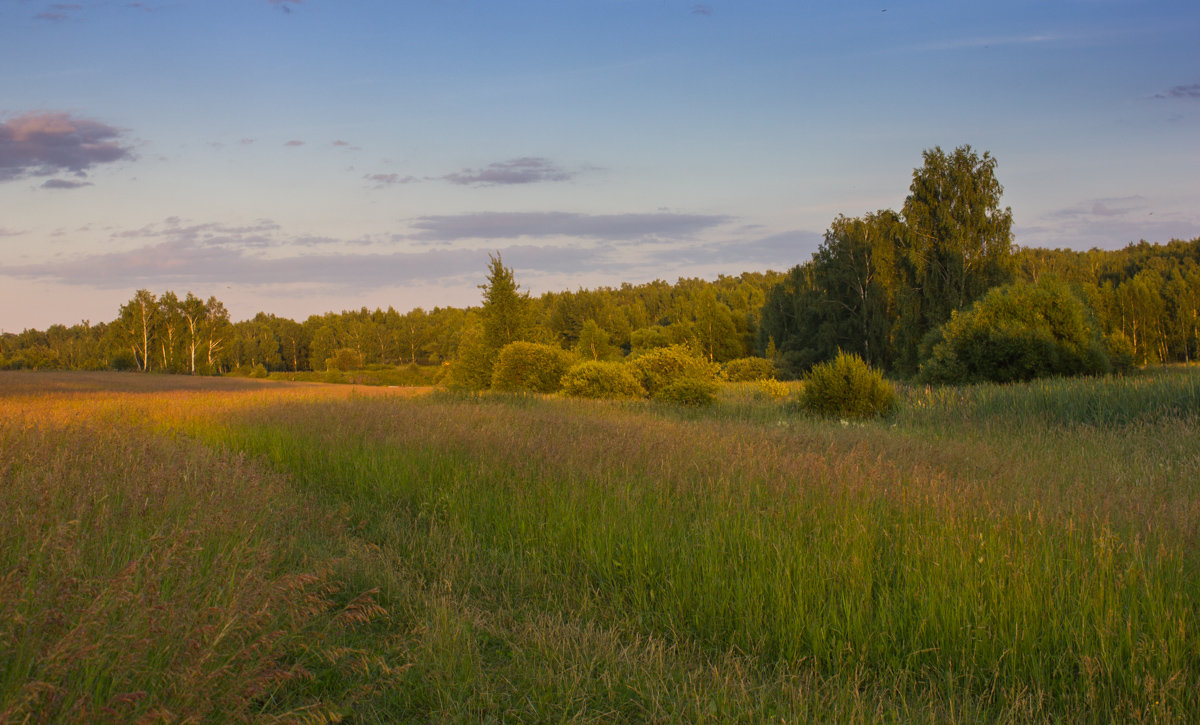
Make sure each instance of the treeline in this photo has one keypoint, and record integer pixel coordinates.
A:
(1145, 295)
(167, 334)
(884, 286)
(936, 289)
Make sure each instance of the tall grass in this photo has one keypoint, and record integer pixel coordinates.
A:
(149, 578)
(1158, 395)
(843, 555)
(559, 560)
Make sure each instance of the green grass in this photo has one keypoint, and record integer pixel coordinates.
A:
(1157, 395)
(981, 555)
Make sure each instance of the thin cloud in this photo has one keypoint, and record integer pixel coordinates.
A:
(260, 234)
(1105, 208)
(993, 41)
(513, 225)
(1189, 92)
(285, 5)
(524, 170)
(182, 262)
(699, 9)
(43, 144)
(383, 180)
(65, 184)
(293, 142)
(1107, 223)
(58, 12)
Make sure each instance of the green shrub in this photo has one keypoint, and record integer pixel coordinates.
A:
(1017, 332)
(473, 365)
(749, 369)
(602, 379)
(1120, 350)
(696, 392)
(645, 339)
(344, 359)
(122, 360)
(258, 371)
(660, 367)
(847, 387)
(530, 367)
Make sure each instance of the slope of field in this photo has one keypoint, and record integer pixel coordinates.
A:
(1018, 553)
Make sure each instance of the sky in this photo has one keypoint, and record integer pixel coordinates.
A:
(299, 157)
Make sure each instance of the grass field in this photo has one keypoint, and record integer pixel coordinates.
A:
(217, 550)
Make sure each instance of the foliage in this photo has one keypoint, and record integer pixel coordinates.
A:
(645, 339)
(878, 284)
(844, 299)
(1121, 352)
(472, 367)
(530, 367)
(690, 391)
(344, 359)
(602, 379)
(505, 312)
(748, 369)
(1016, 332)
(958, 245)
(660, 367)
(594, 343)
(847, 387)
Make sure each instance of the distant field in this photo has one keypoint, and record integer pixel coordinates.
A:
(178, 548)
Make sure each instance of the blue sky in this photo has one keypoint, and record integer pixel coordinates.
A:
(303, 156)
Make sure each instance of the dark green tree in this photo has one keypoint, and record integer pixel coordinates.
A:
(959, 242)
(505, 312)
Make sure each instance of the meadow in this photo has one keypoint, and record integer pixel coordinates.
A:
(209, 550)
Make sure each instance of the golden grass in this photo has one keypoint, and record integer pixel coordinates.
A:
(147, 576)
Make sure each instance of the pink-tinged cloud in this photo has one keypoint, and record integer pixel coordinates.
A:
(42, 144)
(294, 142)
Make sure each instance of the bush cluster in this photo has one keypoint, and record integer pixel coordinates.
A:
(602, 379)
(749, 370)
(1015, 333)
(662, 366)
(530, 367)
(847, 387)
(697, 392)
